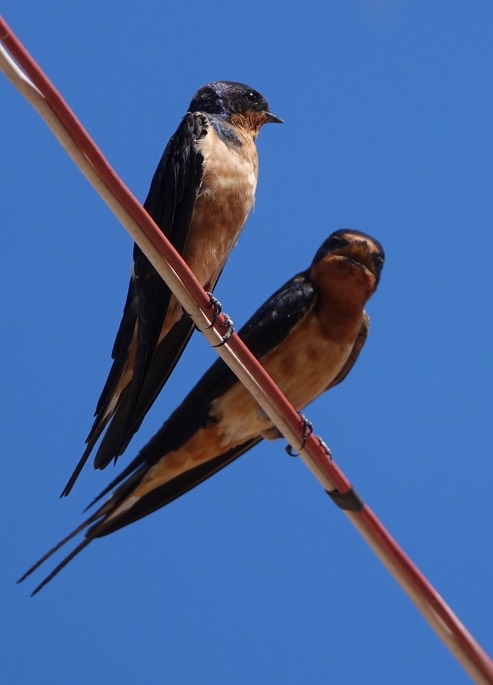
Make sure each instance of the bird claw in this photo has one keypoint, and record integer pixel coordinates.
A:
(228, 324)
(307, 430)
(216, 307)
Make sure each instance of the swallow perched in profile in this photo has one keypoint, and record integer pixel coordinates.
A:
(307, 336)
(200, 196)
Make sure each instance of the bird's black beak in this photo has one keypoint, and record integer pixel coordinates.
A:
(272, 119)
(358, 251)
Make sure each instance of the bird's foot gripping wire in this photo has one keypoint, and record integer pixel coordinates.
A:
(216, 308)
(230, 329)
(227, 323)
(306, 431)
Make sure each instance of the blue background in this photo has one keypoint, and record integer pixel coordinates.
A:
(256, 577)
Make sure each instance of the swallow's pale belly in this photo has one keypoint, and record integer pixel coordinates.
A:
(224, 201)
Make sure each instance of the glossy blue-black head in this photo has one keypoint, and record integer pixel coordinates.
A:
(356, 246)
(229, 98)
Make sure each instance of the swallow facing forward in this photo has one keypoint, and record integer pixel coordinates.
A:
(308, 336)
(200, 196)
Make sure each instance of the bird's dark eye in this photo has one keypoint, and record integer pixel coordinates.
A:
(338, 239)
(378, 260)
(252, 97)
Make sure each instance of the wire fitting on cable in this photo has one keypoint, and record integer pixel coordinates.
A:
(347, 501)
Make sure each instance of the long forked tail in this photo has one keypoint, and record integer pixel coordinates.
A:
(103, 415)
(73, 553)
(80, 464)
(104, 521)
(134, 403)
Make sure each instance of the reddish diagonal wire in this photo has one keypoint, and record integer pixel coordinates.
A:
(436, 611)
(433, 607)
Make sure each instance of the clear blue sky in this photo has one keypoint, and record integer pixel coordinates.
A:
(256, 577)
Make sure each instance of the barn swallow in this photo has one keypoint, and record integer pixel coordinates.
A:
(307, 336)
(200, 196)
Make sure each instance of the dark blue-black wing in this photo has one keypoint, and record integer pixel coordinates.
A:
(170, 202)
